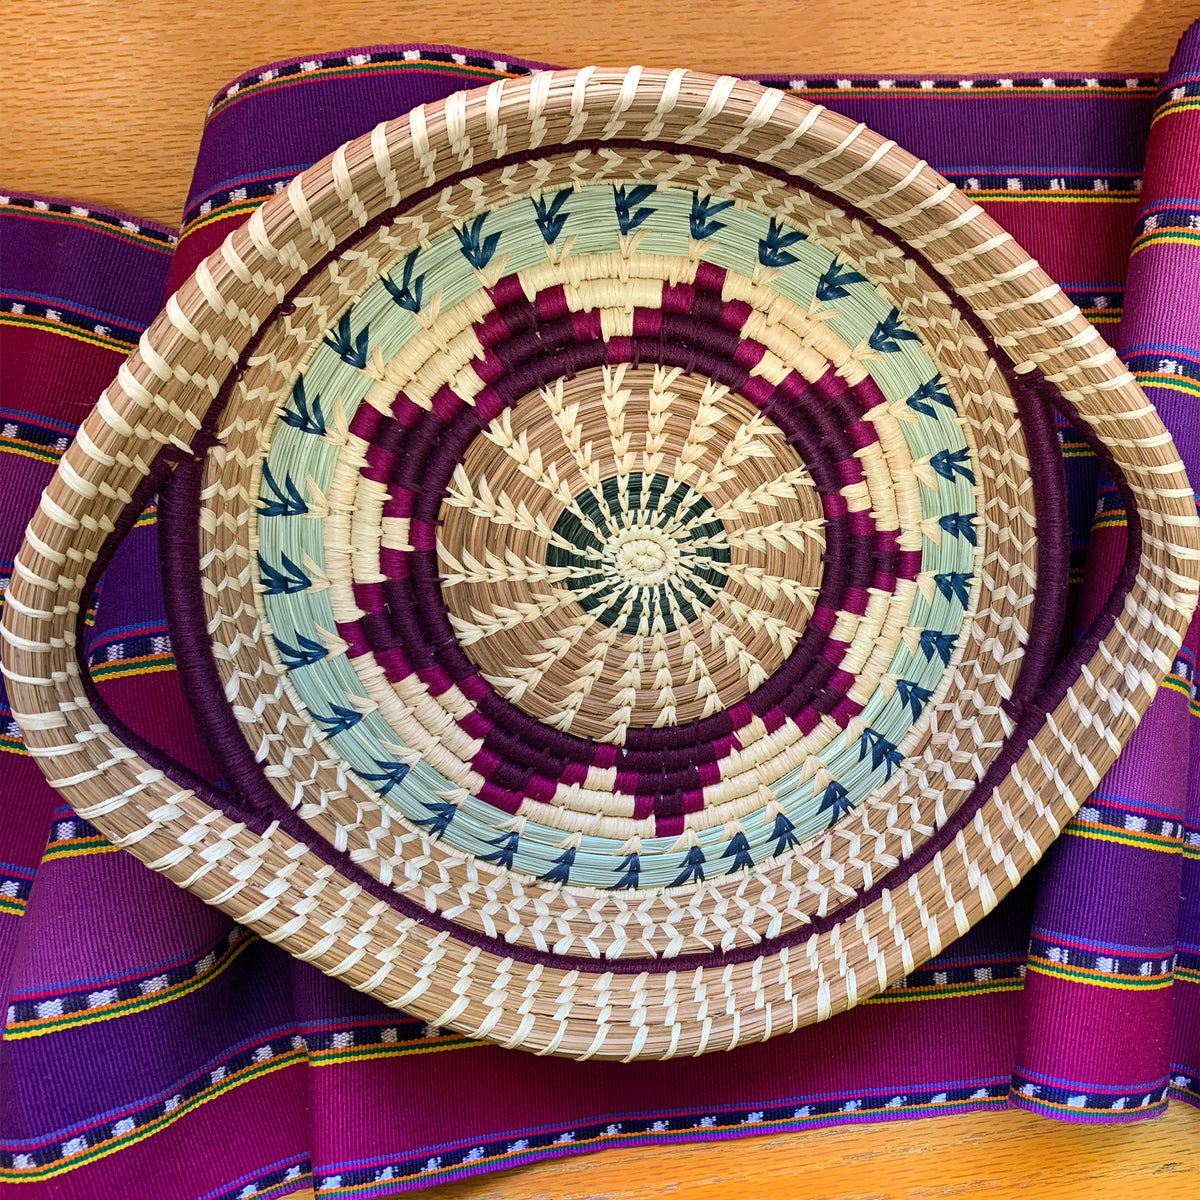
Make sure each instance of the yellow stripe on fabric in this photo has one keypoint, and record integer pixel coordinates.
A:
(942, 991)
(246, 1074)
(1041, 90)
(219, 214)
(1124, 837)
(1075, 196)
(13, 905)
(370, 68)
(1183, 104)
(612, 1139)
(345, 1054)
(146, 664)
(25, 320)
(1060, 1106)
(30, 450)
(1089, 975)
(1167, 233)
(1175, 383)
(40, 1026)
(78, 848)
(127, 235)
(103, 1149)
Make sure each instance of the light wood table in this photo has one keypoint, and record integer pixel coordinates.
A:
(104, 101)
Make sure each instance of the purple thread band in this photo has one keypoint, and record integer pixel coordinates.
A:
(417, 614)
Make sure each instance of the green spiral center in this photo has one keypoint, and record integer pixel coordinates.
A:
(646, 552)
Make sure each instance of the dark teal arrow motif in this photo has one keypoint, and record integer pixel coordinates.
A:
(632, 866)
(704, 209)
(282, 582)
(948, 463)
(629, 216)
(959, 525)
(773, 249)
(933, 641)
(913, 695)
(834, 283)
(308, 653)
(561, 871)
(392, 774)
(285, 503)
(476, 248)
(305, 419)
(508, 847)
(928, 394)
(784, 834)
(550, 216)
(739, 850)
(693, 867)
(340, 720)
(407, 293)
(836, 801)
(953, 585)
(889, 333)
(881, 750)
(443, 812)
(349, 348)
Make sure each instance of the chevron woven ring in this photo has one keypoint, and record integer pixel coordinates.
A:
(616, 552)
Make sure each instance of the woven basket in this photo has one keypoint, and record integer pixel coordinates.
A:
(617, 556)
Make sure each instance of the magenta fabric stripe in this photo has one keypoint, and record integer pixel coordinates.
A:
(1105, 1020)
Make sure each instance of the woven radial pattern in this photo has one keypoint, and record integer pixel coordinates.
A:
(616, 551)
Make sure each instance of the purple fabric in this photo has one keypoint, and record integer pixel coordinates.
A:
(1141, 924)
(144, 1031)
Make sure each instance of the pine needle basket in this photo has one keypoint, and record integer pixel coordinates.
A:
(616, 553)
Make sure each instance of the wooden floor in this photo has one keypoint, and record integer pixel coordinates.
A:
(104, 101)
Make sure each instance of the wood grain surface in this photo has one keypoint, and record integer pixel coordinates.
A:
(105, 101)
(1000, 1156)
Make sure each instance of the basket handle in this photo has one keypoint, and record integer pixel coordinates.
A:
(101, 487)
(163, 479)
